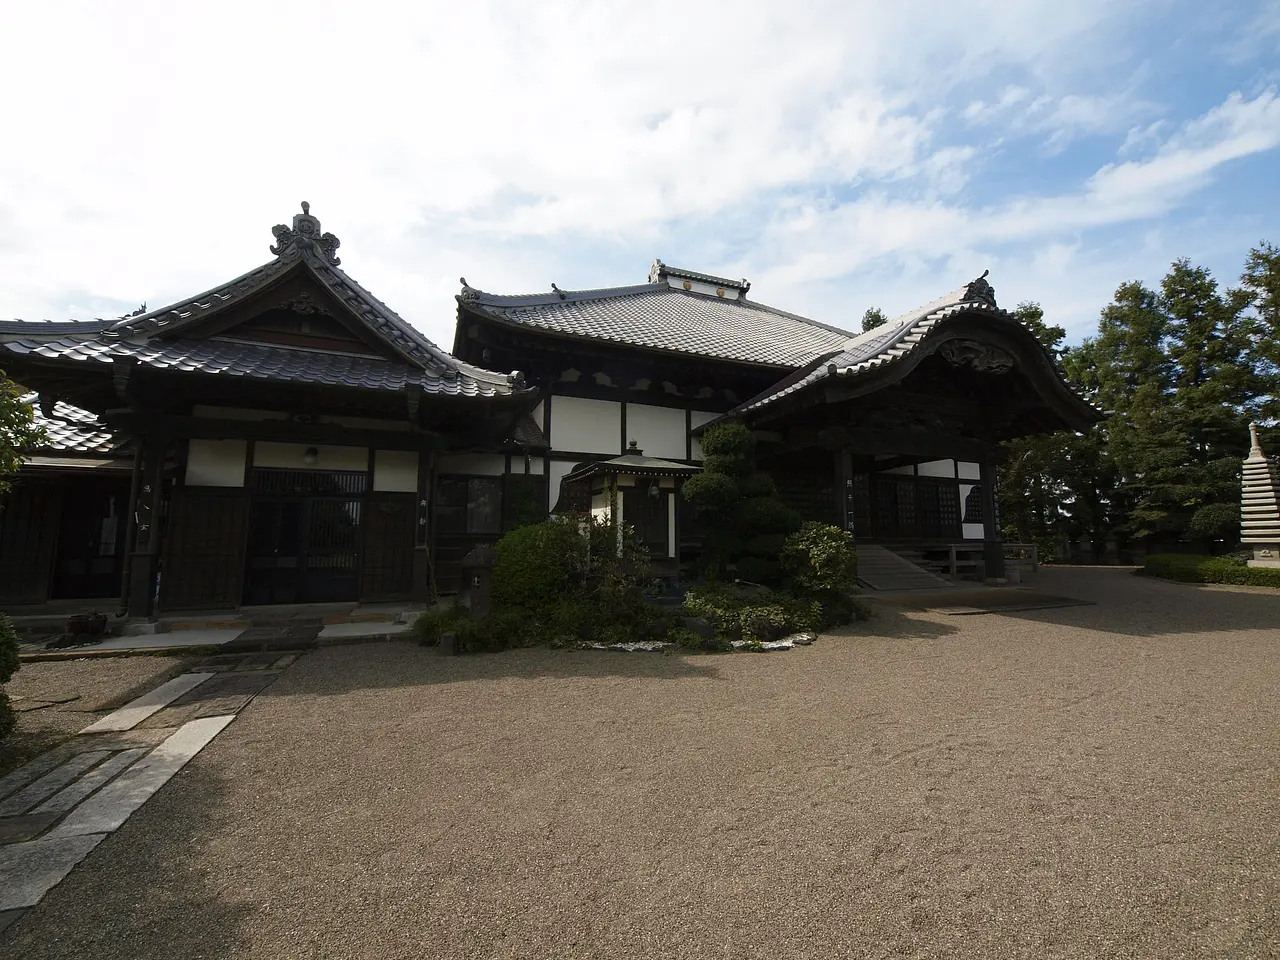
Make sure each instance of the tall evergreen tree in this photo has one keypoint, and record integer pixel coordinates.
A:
(18, 432)
(1261, 280)
(874, 317)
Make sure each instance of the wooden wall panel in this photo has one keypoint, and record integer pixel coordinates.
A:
(204, 555)
(29, 518)
(387, 569)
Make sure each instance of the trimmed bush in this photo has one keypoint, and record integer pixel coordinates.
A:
(1195, 568)
(758, 485)
(439, 620)
(728, 439)
(537, 564)
(9, 664)
(711, 493)
(821, 556)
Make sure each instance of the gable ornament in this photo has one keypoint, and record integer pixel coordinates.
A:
(981, 290)
(305, 237)
(981, 357)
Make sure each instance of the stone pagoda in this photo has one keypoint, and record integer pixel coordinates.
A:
(1260, 505)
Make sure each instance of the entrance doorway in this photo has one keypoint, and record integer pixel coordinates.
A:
(304, 547)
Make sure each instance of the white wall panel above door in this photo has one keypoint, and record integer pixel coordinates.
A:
(658, 431)
(579, 425)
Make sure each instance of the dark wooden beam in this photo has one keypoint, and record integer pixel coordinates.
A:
(176, 426)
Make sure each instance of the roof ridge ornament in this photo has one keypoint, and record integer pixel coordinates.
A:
(305, 237)
(1255, 445)
(981, 290)
(469, 292)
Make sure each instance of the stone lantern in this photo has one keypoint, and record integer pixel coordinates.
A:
(477, 571)
(1260, 505)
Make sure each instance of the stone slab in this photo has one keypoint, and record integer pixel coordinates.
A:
(29, 772)
(205, 637)
(50, 783)
(18, 829)
(30, 870)
(348, 631)
(132, 714)
(111, 806)
(69, 796)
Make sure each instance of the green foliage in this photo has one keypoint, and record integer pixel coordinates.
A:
(18, 432)
(735, 465)
(440, 619)
(711, 493)
(821, 557)
(1181, 369)
(739, 614)
(560, 582)
(874, 317)
(1193, 568)
(757, 515)
(525, 500)
(758, 485)
(728, 439)
(1215, 521)
(538, 563)
(9, 664)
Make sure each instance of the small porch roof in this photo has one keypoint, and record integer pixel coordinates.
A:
(632, 463)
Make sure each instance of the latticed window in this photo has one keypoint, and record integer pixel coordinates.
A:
(310, 482)
(469, 505)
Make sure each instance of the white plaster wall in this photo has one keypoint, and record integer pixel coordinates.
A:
(671, 525)
(479, 464)
(696, 419)
(558, 469)
(970, 531)
(535, 464)
(579, 425)
(395, 471)
(268, 453)
(968, 471)
(936, 468)
(215, 463)
(539, 414)
(659, 431)
(908, 470)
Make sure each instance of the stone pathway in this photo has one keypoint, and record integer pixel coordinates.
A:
(57, 808)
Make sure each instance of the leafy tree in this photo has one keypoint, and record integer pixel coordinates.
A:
(1261, 281)
(747, 522)
(874, 317)
(18, 432)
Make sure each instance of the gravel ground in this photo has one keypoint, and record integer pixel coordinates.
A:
(1098, 781)
(92, 686)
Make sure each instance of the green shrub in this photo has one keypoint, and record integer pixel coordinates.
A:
(742, 614)
(767, 515)
(537, 564)
(727, 439)
(820, 556)
(440, 619)
(9, 665)
(730, 464)
(758, 485)
(1195, 568)
(1215, 521)
(711, 493)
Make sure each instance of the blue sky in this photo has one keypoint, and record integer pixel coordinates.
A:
(838, 155)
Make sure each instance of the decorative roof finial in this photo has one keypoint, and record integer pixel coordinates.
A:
(468, 292)
(561, 293)
(982, 290)
(1255, 447)
(305, 238)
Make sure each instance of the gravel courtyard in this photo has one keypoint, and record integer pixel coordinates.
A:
(1091, 781)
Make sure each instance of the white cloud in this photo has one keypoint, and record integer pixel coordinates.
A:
(154, 144)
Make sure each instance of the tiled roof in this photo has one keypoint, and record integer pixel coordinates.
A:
(657, 317)
(70, 429)
(155, 337)
(527, 433)
(261, 361)
(889, 343)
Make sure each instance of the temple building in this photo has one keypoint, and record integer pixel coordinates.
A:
(285, 437)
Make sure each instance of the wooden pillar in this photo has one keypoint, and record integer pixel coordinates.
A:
(422, 557)
(844, 489)
(993, 542)
(144, 559)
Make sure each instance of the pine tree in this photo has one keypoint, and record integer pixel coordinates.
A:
(874, 317)
(1261, 280)
(18, 432)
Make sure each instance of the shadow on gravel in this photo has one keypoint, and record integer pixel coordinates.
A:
(891, 621)
(139, 895)
(1142, 607)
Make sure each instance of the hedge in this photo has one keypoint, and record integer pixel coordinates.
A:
(1194, 568)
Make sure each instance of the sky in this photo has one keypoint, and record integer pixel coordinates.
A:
(837, 155)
